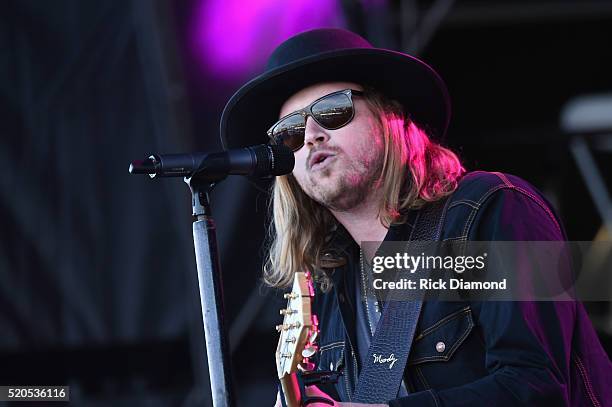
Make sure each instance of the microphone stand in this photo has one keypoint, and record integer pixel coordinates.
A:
(211, 290)
(203, 172)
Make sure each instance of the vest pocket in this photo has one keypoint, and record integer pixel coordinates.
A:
(331, 356)
(441, 340)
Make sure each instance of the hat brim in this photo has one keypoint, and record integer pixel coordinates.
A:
(255, 106)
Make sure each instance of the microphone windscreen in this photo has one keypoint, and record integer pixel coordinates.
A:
(272, 160)
(283, 160)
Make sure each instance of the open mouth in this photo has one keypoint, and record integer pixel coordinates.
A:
(321, 160)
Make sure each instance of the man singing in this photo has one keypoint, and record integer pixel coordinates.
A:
(366, 127)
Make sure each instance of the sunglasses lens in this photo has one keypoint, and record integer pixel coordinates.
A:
(290, 131)
(333, 111)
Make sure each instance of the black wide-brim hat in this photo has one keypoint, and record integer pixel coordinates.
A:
(330, 54)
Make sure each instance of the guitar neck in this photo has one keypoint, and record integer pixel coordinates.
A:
(291, 390)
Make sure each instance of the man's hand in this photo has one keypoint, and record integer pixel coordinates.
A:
(315, 391)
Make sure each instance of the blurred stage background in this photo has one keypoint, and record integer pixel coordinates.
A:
(98, 286)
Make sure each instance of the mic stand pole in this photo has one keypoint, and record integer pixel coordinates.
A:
(211, 290)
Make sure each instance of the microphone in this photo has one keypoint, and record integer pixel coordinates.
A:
(258, 161)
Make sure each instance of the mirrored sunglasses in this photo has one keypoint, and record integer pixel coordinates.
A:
(331, 112)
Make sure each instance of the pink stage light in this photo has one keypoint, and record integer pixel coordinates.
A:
(233, 38)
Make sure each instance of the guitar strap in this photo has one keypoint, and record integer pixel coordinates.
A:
(381, 376)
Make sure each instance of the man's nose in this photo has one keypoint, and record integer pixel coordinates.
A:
(315, 134)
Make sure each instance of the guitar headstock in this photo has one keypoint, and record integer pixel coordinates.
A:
(299, 329)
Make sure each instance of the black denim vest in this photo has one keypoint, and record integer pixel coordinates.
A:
(493, 353)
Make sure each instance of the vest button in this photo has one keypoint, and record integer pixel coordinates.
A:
(440, 346)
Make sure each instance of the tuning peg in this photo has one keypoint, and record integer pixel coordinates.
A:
(309, 351)
(288, 311)
(313, 336)
(306, 366)
(291, 296)
(290, 340)
(286, 355)
(285, 327)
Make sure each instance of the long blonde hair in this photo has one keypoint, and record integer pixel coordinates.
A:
(416, 170)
